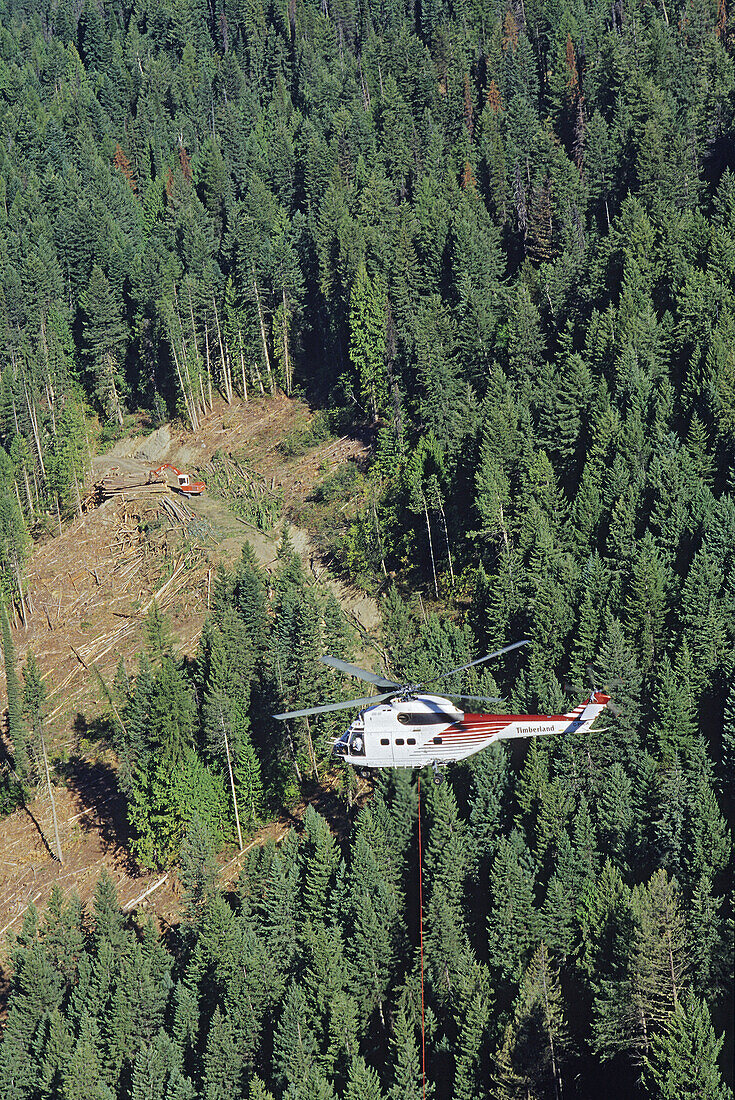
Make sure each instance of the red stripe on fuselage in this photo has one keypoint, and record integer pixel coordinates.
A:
(478, 727)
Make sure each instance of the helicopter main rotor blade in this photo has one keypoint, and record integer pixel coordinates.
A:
(474, 698)
(346, 705)
(480, 660)
(359, 673)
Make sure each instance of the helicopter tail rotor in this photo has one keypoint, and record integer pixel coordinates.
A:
(592, 690)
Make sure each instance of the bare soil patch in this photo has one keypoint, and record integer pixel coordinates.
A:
(93, 834)
(89, 591)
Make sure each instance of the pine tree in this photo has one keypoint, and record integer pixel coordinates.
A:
(706, 938)
(469, 1072)
(372, 938)
(197, 867)
(646, 603)
(16, 728)
(82, 1075)
(185, 1023)
(407, 1071)
(172, 712)
(682, 1060)
(62, 934)
(277, 920)
(606, 922)
(702, 615)
(320, 857)
(364, 1083)
(58, 1050)
(649, 972)
(668, 815)
(294, 1043)
(108, 920)
(159, 638)
(660, 959)
(14, 546)
(512, 926)
(367, 340)
(157, 1073)
(222, 1060)
(106, 338)
(616, 813)
(258, 1090)
(34, 707)
(536, 1042)
(674, 708)
(489, 782)
(66, 464)
(707, 842)
(616, 662)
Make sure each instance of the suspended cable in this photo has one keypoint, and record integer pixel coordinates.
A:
(421, 941)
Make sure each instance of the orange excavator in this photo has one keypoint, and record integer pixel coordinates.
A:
(186, 485)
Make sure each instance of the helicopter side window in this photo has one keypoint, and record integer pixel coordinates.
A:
(437, 740)
(399, 741)
(385, 741)
(410, 740)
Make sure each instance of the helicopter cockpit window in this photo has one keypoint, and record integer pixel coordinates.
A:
(427, 718)
(357, 744)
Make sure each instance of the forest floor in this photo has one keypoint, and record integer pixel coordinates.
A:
(89, 591)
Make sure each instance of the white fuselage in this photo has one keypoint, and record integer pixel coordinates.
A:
(429, 729)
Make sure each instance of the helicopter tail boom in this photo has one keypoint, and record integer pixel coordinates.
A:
(589, 710)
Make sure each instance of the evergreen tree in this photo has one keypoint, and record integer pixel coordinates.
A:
(16, 728)
(106, 339)
(682, 1061)
(407, 1074)
(222, 1060)
(364, 1083)
(512, 926)
(367, 341)
(197, 864)
(294, 1043)
(536, 1042)
(34, 708)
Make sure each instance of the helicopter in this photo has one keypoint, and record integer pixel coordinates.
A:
(404, 727)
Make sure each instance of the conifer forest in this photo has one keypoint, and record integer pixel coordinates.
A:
(497, 238)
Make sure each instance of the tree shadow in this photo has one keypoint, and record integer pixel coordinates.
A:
(327, 802)
(7, 762)
(96, 786)
(41, 833)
